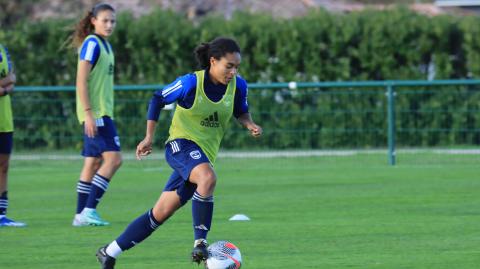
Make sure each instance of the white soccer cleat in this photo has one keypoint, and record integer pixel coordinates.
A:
(78, 221)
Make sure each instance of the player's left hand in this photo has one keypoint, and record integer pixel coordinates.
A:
(255, 130)
(144, 148)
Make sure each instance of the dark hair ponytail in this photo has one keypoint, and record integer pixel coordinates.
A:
(216, 48)
(201, 53)
(84, 27)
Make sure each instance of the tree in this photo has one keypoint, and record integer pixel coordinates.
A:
(388, 2)
(13, 11)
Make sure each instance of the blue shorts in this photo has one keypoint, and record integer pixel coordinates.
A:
(106, 139)
(182, 155)
(6, 142)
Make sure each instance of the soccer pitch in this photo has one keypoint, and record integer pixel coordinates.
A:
(306, 212)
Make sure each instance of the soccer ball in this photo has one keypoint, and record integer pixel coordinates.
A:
(5, 64)
(223, 255)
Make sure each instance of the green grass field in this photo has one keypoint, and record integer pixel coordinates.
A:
(317, 212)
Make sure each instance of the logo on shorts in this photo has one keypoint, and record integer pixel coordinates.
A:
(117, 140)
(195, 154)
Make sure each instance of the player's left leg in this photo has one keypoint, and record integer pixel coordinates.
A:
(204, 177)
(189, 160)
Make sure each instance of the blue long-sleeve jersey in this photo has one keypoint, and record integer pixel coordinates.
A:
(90, 50)
(183, 90)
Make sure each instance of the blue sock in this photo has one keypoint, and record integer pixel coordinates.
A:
(83, 190)
(99, 187)
(138, 230)
(202, 212)
(3, 203)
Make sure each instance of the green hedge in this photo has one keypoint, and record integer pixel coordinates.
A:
(370, 45)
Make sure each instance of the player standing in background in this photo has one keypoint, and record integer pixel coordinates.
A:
(206, 101)
(101, 147)
(6, 141)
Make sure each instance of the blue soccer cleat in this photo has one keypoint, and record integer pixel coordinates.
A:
(6, 222)
(90, 217)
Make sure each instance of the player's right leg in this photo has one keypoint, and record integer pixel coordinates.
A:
(112, 160)
(139, 229)
(6, 145)
(90, 167)
(104, 259)
(106, 145)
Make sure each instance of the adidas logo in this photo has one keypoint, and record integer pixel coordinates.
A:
(211, 121)
(201, 227)
(110, 69)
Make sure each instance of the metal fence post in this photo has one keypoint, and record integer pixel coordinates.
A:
(391, 124)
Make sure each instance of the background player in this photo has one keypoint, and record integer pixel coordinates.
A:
(101, 147)
(6, 144)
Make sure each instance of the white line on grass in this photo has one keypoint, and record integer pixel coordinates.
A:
(255, 154)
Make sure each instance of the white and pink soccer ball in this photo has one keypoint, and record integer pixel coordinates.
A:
(223, 255)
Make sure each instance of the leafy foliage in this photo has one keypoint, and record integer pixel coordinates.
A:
(370, 45)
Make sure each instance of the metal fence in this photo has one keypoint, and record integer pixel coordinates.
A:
(305, 116)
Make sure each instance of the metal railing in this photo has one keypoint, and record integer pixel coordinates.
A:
(389, 86)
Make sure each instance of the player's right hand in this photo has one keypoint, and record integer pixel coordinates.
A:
(144, 148)
(90, 126)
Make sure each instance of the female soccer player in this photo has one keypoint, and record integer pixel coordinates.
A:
(101, 147)
(206, 100)
(6, 144)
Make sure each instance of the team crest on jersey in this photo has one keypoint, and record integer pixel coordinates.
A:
(117, 140)
(195, 154)
(228, 101)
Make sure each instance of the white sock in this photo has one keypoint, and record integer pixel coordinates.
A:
(113, 250)
(2, 216)
(198, 241)
(87, 210)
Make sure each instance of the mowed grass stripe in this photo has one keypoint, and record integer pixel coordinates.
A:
(315, 212)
